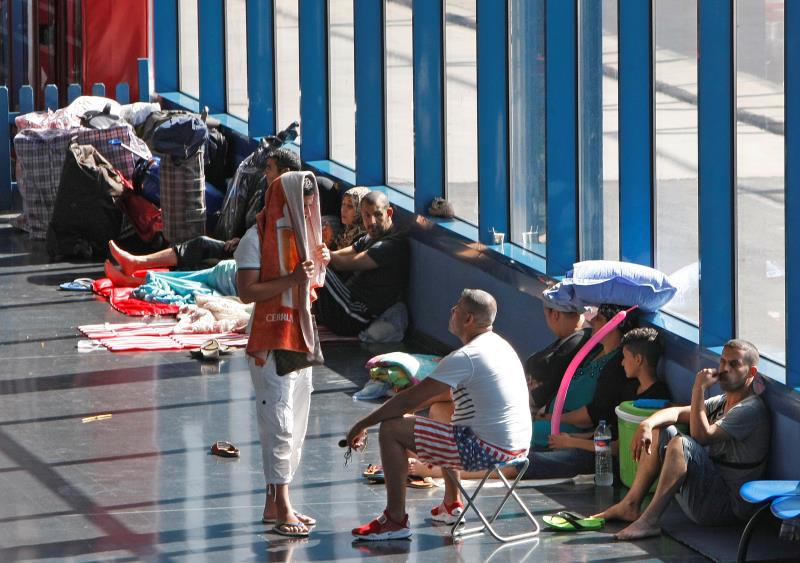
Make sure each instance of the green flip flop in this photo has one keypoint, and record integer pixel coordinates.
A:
(571, 522)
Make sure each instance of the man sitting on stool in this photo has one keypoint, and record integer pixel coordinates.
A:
(728, 446)
(491, 400)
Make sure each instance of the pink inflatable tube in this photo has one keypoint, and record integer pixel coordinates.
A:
(555, 420)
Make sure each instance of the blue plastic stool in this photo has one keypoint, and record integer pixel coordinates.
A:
(786, 508)
(784, 497)
(488, 522)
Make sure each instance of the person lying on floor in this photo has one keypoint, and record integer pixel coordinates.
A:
(377, 264)
(221, 278)
(727, 446)
(199, 252)
(495, 422)
(178, 288)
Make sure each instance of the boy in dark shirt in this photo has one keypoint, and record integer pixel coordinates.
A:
(573, 454)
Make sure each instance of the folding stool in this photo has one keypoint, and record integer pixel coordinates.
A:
(510, 492)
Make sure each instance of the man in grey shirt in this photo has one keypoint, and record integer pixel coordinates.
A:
(727, 446)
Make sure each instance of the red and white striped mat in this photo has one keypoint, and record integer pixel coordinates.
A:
(151, 336)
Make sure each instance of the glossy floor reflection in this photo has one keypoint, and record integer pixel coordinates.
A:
(140, 484)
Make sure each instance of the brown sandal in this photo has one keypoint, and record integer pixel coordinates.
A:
(224, 449)
(419, 483)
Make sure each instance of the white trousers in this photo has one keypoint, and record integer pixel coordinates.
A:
(282, 405)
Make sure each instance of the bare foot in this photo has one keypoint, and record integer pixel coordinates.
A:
(128, 263)
(271, 513)
(421, 469)
(621, 511)
(638, 530)
(119, 279)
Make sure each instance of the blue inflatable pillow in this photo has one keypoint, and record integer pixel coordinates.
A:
(593, 282)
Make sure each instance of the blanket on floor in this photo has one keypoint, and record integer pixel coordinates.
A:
(120, 299)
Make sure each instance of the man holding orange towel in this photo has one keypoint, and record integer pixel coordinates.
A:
(281, 261)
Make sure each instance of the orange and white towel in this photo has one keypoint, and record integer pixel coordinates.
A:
(284, 322)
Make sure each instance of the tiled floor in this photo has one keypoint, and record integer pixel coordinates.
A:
(141, 485)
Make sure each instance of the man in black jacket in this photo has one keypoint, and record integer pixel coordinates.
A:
(545, 368)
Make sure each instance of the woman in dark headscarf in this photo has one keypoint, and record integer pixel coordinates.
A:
(353, 226)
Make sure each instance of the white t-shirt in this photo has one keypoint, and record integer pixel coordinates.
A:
(248, 251)
(489, 390)
(248, 257)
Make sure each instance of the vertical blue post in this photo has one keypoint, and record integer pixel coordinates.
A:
(123, 93)
(165, 45)
(370, 92)
(51, 97)
(5, 150)
(792, 190)
(73, 92)
(717, 175)
(590, 134)
(211, 53)
(261, 67)
(428, 44)
(143, 68)
(19, 49)
(26, 104)
(98, 89)
(562, 136)
(313, 17)
(636, 131)
(493, 179)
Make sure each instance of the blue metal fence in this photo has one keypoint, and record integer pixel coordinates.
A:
(26, 105)
(564, 130)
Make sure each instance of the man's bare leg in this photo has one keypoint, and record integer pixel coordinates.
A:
(629, 508)
(673, 472)
(119, 279)
(285, 513)
(129, 263)
(396, 436)
(271, 508)
(451, 492)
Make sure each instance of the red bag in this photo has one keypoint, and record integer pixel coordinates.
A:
(142, 213)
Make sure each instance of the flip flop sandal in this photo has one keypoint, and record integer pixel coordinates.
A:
(371, 470)
(420, 483)
(79, 284)
(224, 449)
(571, 522)
(210, 350)
(291, 529)
(374, 474)
(304, 518)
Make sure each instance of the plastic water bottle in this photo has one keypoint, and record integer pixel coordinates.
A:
(790, 530)
(603, 470)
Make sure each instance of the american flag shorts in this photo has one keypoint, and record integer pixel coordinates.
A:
(457, 447)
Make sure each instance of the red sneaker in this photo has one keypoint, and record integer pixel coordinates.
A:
(447, 513)
(383, 528)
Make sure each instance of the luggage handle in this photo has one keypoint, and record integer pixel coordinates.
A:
(128, 148)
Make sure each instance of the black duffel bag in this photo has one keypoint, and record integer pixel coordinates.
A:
(85, 213)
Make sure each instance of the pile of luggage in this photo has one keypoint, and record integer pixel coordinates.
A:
(96, 171)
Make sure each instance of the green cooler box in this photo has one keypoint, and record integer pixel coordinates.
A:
(628, 419)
